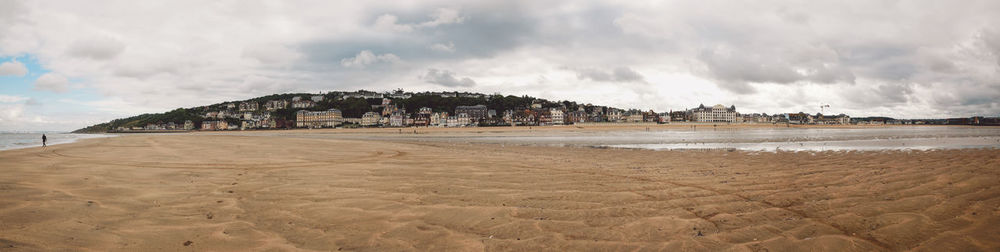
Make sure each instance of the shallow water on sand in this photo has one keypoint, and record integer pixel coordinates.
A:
(19, 140)
(752, 139)
(700, 137)
(918, 143)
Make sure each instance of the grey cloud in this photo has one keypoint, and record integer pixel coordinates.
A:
(270, 53)
(366, 57)
(991, 38)
(738, 68)
(13, 68)
(52, 82)
(894, 92)
(485, 30)
(446, 78)
(440, 16)
(748, 68)
(882, 53)
(794, 17)
(737, 87)
(618, 74)
(11, 11)
(97, 48)
(881, 60)
(886, 95)
(145, 69)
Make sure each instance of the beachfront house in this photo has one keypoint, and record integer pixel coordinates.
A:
(474, 113)
(214, 125)
(303, 104)
(273, 105)
(370, 119)
(318, 119)
(557, 116)
(249, 106)
(717, 113)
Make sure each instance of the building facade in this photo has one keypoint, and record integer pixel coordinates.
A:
(273, 105)
(475, 113)
(318, 119)
(371, 119)
(301, 104)
(614, 115)
(214, 125)
(717, 113)
(557, 115)
(249, 106)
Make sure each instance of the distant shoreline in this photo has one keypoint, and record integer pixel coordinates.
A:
(588, 127)
(53, 142)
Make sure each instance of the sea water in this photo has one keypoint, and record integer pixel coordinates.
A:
(749, 139)
(19, 140)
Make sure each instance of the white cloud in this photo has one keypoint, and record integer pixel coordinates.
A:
(52, 82)
(758, 55)
(366, 57)
(11, 99)
(10, 113)
(271, 54)
(444, 16)
(441, 16)
(13, 68)
(618, 74)
(449, 47)
(446, 78)
(387, 22)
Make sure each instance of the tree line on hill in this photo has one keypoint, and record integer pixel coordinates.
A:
(350, 107)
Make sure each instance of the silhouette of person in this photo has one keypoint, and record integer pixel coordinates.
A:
(44, 139)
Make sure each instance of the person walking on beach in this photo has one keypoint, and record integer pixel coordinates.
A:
(43, 140)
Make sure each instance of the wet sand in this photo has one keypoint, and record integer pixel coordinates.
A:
(222, 192)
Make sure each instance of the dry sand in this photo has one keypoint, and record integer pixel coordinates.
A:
(239, 193)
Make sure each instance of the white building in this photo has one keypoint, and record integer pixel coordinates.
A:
(463, 119)
(249, 106)
(717, 113)
(557, 116)
(273, 105)
(397, 120)
(451, 121)
(439, 119)
(370, 119)
(318, 119)
(303, 104)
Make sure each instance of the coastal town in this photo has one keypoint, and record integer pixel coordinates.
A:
(400, 109)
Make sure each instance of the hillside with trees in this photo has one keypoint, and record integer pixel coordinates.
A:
(350, 106)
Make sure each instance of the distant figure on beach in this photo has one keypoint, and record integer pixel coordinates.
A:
(44, 139)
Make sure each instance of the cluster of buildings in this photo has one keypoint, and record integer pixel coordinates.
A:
(168, 126)
(308, 114)
(389, 115)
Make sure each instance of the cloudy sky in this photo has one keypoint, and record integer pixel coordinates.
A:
(67, 64)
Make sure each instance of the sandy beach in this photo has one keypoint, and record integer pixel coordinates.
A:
(253, 192)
